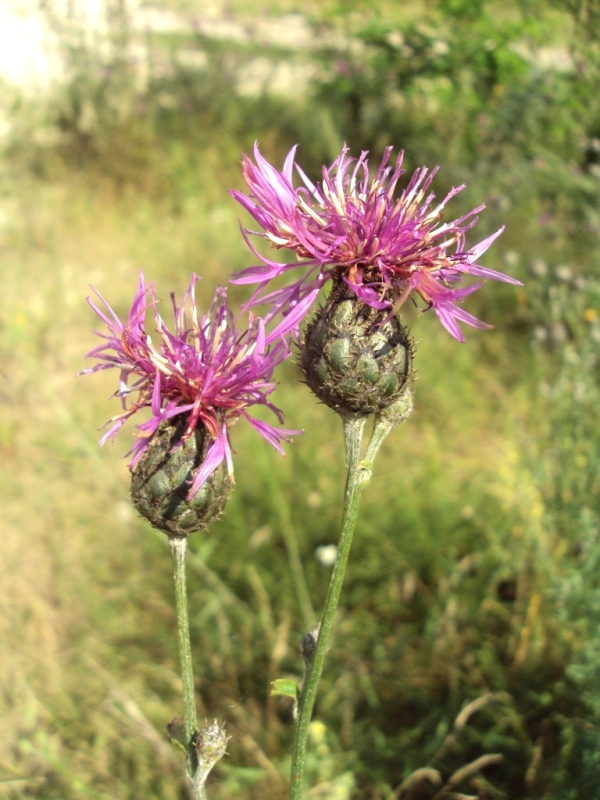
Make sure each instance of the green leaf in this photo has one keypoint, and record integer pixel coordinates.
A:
(176, 733)
(286, 687)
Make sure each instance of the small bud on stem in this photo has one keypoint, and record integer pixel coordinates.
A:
(211, 746)
(308, 645)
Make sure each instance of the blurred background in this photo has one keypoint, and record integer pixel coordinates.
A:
(466, 655)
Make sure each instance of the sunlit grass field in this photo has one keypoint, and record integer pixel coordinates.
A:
(473, 582)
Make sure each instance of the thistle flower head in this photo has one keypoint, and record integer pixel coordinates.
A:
(354, 228)
(202, 371)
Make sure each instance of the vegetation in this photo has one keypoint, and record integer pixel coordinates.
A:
(469, 619)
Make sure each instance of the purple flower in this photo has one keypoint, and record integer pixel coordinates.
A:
(352, 228)
(204, 368)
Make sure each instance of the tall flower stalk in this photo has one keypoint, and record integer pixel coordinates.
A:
(193, 381)
(359, 470)
(178, 546)
(377, 249)
(356, 480)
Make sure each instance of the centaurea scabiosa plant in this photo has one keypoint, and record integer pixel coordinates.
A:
(378, 246)
(193, 381)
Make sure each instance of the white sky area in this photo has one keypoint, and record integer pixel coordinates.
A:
(29, 56)
(24, 56)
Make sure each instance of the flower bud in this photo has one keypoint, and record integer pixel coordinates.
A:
(162, 477)
(211, 745)
(356, 358)
(308, 645)
(400, 410)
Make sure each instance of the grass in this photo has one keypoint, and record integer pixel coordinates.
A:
(473, 575)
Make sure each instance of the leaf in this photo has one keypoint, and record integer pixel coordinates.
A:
(285, 687)
(176, 733)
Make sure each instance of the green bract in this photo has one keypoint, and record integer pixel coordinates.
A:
(161, 481)
(356, 358)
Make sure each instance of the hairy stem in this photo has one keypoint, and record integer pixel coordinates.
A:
(357, 477)
(178, 547)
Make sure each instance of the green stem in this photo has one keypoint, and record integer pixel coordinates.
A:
(178, 547)
(357, 478)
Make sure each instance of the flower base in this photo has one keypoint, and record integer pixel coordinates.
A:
(162, 478)
(356, 358)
